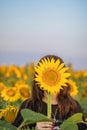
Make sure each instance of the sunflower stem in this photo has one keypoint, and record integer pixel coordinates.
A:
(49, 106)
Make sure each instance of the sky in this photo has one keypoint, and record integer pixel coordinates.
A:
(30, 29)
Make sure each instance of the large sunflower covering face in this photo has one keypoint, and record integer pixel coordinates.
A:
(51, 75)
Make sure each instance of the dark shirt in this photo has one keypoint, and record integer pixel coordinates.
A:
(58, 121)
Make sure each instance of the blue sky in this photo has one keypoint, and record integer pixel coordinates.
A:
(30, 29)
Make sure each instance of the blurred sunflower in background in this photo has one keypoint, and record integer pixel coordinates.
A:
(10, 94)
(2, 86)
(24, 91)
(73, 87)
(9, 113)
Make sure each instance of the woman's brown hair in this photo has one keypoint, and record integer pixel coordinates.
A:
(66, 104)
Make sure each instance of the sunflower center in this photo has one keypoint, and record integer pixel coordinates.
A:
(50, 77)
(24, 92)
(11, 93)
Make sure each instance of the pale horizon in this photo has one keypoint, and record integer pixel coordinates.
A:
(31, 29)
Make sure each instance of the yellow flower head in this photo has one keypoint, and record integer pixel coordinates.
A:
(73, 88)
(10, 94)
(51, 75)
(13, 69)
(1, 113)
(2, 86)
(9, 113)
(24, 91)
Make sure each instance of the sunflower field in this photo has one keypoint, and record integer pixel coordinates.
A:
(15, 87)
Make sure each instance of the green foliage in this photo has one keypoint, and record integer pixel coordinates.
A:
(6, 126)
(71, 122)
(70, 127)
(81, 98)
(30, 117)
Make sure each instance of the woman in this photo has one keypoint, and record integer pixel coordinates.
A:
(52, 72)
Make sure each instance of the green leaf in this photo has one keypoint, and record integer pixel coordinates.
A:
(70, 127)
(71, 122)
(30, 116)
(6, 126)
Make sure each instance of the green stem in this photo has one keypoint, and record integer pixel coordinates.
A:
(49, 105)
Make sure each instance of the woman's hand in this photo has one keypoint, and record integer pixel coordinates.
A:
(44, 126)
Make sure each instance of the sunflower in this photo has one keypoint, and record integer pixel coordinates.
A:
(24, 91)
(13, 69)
(1, 113)
(10, 94)
(73, 88)
(51, 75)
(2, 86)
(9, 113)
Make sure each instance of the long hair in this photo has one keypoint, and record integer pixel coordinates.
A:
(65, 102)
